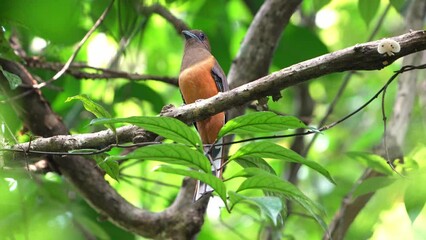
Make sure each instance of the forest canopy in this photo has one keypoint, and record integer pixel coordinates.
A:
(325, 120)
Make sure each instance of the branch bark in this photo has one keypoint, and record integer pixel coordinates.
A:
(259, 43)
(180, 221)
(358, 57)
(76, 71)
(167, 224)
(88, 179)
(395, 134)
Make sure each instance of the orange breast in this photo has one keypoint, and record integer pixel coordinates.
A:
(196, 82)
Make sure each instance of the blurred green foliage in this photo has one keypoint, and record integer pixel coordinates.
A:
(47, 207)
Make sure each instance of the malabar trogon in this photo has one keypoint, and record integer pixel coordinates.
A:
(201, 77)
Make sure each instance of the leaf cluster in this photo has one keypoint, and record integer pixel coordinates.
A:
(186, 154)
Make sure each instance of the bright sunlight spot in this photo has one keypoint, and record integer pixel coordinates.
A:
(394, 224)
(324, 186)
(61, 220)
(37, 45)
(213, 209)
(100, 51)
(12, 183)
(321, 144)
(325, 18)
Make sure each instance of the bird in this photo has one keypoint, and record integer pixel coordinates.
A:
(201, 77)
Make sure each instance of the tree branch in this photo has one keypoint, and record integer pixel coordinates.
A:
(358, 57)
(178, 24)
(89, 180)
(395, 134)
(80, 44)
(259, 43)
(102, 73)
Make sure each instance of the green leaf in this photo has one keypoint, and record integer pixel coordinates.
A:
(207, 178)
(398, 4)
(260, 122)
(253, 161)
(273, 183)
(13, 79)
(249, 172)
(93, 107)
(270, 207)
(170, 153)
(368, 9)
(373, 161)
(372, 185)
(415, 195)
(167, 127)
(269, 182)
(266, 149)
(253, 171)
(110, 166)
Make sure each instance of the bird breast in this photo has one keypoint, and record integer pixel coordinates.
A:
(196, 81)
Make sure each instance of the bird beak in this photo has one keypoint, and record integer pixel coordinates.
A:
(188, 35)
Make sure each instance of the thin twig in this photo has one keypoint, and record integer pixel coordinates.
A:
(86, 152)
(80, 44)
(324, 128)
(122, 175)
(344, 84)
(232, 229)
(150, 192)
(122, 167)
(76, 71)
(331, 125)
(178, 24)
(385, 144)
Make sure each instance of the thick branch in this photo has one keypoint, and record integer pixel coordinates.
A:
(97, 140)
(395, 134)
(88, 179)
(183, 218)
(259, 44)
(359, 57)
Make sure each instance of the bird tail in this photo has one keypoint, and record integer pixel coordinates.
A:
(216, 157)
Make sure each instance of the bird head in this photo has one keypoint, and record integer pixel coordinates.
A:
(196, 38)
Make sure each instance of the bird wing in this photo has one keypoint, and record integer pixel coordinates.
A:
(219, 78)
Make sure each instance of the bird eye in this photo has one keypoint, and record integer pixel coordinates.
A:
(202, 36)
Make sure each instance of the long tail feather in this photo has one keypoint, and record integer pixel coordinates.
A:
(216, 157)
